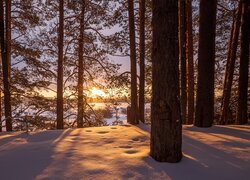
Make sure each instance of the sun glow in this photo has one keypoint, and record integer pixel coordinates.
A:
(94, 92)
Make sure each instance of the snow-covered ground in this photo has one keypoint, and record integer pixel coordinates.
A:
(122, 152)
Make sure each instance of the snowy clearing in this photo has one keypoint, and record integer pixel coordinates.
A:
(121, 152)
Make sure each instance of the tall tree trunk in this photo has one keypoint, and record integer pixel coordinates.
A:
(229, 52)
(6, 60)
(206, 64)
(166, 130)
(142, 61)
(230, 68)
(59, 107)
(80, 100)
(182, 49)
(244, 65)
(134, 106)
(1, 52)
(228, 60)
(190, 64)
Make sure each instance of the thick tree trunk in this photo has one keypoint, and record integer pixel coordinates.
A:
(80, 99)
(182, 52)
(230, 67)
(6, 60)
(244, 65)
(142, 61)
(206, 64)
(134, 102)
(59, 107)
(166, 130)
(190, 64)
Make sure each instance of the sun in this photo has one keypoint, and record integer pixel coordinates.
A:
(94, 92)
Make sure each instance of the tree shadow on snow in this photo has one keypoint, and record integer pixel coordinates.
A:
(223, 130)
(200, 161)
(29, 158)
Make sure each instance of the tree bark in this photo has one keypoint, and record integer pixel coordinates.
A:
(206, 64)
(190, 64)
(1, 129)
(6, 60)
(142, 61)
(59, 107)
(166, 125)
(134, 106)
(244, 64)
(229, 52)
(230, 67)
(1, 52)
(182, 49)
(80, 100)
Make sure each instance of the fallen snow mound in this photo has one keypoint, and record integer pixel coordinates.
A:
(122, 152)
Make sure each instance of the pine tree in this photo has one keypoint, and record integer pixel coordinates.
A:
(1, 52)
(59, 106)
(244, 64)
(230, 67)
(142, 7)
(6, 60)
(80, 99)
(166, 130)
(134, 106)
(204, 115)
(182, 51)
(190, 64)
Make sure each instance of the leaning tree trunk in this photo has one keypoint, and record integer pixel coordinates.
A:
(80, 98)
(6, 60)
(166, 130)
(230, 67)
(142, 61)
(134, 106)
(190, 64)
(229, 51)
(59, 107)
(244, 64)
(206, 64)
(182, 52)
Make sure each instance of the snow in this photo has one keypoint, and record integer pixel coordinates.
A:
(122, 152)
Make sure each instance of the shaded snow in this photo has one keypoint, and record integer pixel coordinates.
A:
(121, 152)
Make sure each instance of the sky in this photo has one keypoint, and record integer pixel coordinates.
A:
(124, 61)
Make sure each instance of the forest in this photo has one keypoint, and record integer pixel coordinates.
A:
(154, 80)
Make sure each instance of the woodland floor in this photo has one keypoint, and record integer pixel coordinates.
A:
(122, 152)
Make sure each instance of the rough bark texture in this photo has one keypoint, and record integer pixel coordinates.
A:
(244, 64)
(182, 52)
(142, 61)
(134, 102)
(190, 64)
(230, 67)
(59, 107)
(206, 64)
(80, 98)
(166, 130)
(6, 60)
